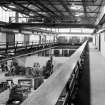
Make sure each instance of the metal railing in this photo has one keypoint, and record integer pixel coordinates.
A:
(17, 46)
(20, 51)
(50, 92)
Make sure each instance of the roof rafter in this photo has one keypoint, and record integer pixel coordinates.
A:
(67, 9)
(35, 12)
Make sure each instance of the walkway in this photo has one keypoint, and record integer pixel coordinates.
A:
(92, 83)
(97, 77)
(4, 97)
(2, 77)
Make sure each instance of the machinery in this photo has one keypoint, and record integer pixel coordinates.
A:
(3, 86)
(17, 95)
(19, 92)
(48, 70)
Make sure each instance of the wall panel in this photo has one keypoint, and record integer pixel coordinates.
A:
(2, 39)
(102, 43)
(97, 41)
(34, 38)
(19, 38)
(26, 39)
(10, 37)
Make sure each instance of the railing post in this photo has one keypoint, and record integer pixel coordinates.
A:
(26, 47)
(32, 45)
(6, 50)
(16, 47)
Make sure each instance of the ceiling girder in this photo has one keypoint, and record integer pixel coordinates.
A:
(44, 7)
(56, 12)
(25, 8)
(85, 11)
(56, 25)
(67, 9)
(22, 12)
(56, 8)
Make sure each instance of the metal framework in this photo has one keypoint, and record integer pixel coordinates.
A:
(57, 12)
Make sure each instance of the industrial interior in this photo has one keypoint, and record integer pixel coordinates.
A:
(52, 52)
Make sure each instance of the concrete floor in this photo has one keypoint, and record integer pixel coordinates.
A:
(4, 97)
(83, 96)
(97, 76)
(42, 60)
(30, 60)
(92, 83)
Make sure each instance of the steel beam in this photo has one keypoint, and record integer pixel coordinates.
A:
(53, 25)
(55, 8)
(73, 33)
(30, 10)
(44, 7)
(66, 8)
(16, 10)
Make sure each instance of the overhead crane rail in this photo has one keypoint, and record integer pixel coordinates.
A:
(60, 86)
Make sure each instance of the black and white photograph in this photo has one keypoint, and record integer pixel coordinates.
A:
(52, 52)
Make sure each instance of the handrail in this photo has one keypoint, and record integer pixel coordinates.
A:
(49, 92)
(19, 43)
(23, 55)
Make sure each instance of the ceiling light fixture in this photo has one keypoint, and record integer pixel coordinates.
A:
(12, 6)
(79, 14)
(43, 13)
(75, 7)
(31, 14)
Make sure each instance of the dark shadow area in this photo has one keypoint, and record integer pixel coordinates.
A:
(83, 97)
